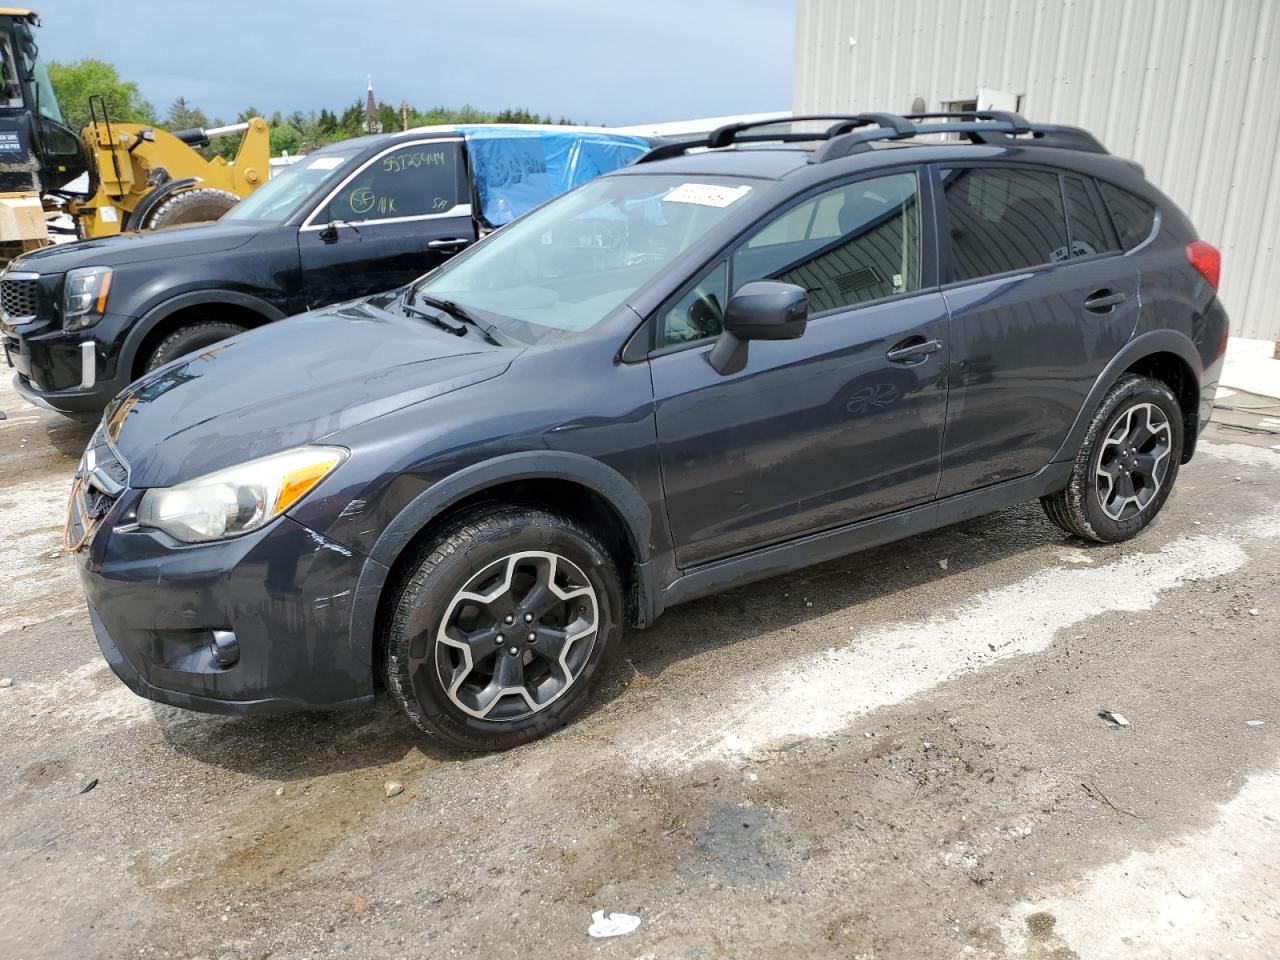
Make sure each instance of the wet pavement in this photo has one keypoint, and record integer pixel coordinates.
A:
(897, 754)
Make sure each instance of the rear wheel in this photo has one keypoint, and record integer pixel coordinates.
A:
(501, 627)
(1126, 466)
(202, 205)
(190, 338)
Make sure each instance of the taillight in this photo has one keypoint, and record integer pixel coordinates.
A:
(1206, 259)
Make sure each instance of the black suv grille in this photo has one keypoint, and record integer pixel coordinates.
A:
(18, 298)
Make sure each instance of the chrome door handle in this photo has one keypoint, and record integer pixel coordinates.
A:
(913, 348)
(453, 244)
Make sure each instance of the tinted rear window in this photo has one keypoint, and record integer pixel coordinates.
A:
(1003, 220)
(1091, 230)
(1132, 215)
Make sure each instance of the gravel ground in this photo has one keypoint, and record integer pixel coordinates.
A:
(898, 754)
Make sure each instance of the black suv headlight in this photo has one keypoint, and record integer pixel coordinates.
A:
(84, 297)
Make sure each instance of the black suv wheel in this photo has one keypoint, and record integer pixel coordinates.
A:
(190, 338)
(1126, 465)
(500, 629)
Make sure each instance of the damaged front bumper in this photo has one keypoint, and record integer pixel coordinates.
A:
(259, 623)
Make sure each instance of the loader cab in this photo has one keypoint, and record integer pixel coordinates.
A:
(38, 152)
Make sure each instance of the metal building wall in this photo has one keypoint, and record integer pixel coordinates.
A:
(1188, 88)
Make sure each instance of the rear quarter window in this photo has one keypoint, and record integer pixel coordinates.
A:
(1133, 216)
(1091, 229)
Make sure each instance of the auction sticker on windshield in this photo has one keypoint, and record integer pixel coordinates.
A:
(706, 194)
(325, 163)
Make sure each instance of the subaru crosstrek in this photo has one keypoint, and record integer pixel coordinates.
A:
(711, 367)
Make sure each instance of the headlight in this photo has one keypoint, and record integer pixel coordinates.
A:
(239, 499)
(84, 297)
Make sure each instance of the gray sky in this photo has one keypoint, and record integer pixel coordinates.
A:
(596, 61)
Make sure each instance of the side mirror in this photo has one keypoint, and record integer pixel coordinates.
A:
(330, 232)
(760, 310)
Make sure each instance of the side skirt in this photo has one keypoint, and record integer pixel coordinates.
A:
(815, 548)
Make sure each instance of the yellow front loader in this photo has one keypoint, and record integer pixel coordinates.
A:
(141, 178)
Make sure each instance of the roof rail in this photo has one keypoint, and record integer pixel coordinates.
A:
(848, 134)
(1048, 135)
(1015, 120)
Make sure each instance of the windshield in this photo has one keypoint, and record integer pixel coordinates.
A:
(561, 269)
(280, 196)
(44, 89)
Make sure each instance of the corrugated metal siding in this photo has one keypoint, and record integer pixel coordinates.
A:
(1188, 88)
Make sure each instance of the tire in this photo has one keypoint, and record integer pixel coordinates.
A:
(434, 625)
(1133, 446)
(190, 338)
(202, 205)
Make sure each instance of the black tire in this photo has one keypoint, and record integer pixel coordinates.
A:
(1079, 508)
(413, 659)
(202, 205)
(190, 338)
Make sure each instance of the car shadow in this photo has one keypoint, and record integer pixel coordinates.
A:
(838, 587)
(298, 746)
(302, 745)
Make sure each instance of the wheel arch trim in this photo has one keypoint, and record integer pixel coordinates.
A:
(137, 336)
(576, 468)
(1140, 348)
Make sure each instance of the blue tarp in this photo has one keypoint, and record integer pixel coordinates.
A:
(515, 170)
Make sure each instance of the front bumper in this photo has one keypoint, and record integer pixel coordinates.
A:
(285, 592)
(75, 373)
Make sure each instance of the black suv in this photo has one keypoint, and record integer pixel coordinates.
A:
(705, 369)
(82, 321)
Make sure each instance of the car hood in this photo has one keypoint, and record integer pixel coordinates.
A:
(288, 383)
(197, 240)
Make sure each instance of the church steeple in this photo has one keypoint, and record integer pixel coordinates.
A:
(371, 122)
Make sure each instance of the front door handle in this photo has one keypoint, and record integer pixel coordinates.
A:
(913, 350)
(457, 243)
(1101, 301)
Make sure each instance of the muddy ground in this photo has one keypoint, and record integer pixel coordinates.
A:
(898, 754)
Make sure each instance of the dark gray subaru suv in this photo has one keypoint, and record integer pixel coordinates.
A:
(729, 360)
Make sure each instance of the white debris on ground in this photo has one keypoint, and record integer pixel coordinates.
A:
(614, 925)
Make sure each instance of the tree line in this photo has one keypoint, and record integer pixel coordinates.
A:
(295, 132)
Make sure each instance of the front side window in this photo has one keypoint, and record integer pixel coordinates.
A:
(1133, 216)
(699, 312)
(565, 266)
(854, 244)
(412, 181)
(10, 90)
(1002, 220)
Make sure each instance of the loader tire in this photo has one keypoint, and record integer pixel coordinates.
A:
(202, 205)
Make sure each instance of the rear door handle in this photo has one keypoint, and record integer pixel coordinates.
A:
(913, 349)
(1101, 301)
(454, 244)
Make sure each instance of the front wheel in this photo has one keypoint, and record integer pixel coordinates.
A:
(1126, 465)
(501, 627)
(190, 338)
